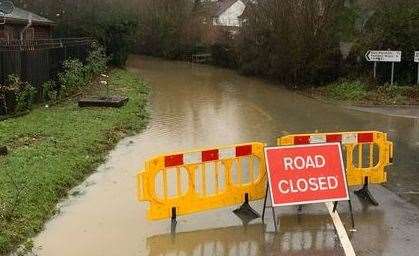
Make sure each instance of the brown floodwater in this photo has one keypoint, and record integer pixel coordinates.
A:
(198, 106)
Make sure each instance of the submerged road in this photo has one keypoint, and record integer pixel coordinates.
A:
(201, 106)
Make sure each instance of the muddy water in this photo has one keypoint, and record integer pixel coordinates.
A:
(199, 106)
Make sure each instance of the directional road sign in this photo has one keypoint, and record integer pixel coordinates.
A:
(384, 56)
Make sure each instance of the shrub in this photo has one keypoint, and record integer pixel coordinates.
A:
(25, 97)
(353, 91)
(96, 61)
(49, 91)
(73, 77)
(118, 38)
(23, 94)
(391, 94)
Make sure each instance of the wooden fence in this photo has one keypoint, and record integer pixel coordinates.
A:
(38, 61)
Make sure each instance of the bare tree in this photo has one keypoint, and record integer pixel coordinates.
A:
(292, 40)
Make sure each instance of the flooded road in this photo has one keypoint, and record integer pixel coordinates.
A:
(200, 106)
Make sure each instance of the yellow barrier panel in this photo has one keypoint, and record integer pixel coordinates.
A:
(195, 181)
(368, 153)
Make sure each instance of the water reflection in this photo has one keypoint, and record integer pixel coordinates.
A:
(299, 234)
(239, 240)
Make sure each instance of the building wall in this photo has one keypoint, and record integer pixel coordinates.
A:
(43, 32)
(231, 16)
(3, 33)
(12, 32)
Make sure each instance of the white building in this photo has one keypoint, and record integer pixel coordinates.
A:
(227, 12)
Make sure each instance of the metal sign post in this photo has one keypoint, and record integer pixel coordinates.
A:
(384, 56)
(417, 61)
(392, 73)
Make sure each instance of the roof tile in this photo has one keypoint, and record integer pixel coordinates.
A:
(23, 15)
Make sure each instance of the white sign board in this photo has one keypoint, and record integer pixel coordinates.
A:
(384, 56)
(416, 56)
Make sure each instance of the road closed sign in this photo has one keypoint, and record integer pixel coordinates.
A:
(306, 174)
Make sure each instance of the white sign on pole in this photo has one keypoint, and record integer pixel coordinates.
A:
(417, 61)
(417, 57)
(384, 56)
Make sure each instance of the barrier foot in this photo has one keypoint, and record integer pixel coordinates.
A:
(335, 206)
(246, 213)
(353, 229)
(264, 203)
(273, 209)
(300, 209)
(174, 215)
(173, 227)
(365, 194)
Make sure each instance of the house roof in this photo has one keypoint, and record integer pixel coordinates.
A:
(246, 13)
(22, 16)
(222, 5)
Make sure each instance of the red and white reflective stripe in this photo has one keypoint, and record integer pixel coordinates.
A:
(207, 156)
(349, 138)
(193, 157)
(345, 138)
(225, 153)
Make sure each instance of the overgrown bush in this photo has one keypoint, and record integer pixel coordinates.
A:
(25, 97)
(19, 95)
(96, 61)
(73, 77)
(391, 94)
(118, 36)
(49, 91)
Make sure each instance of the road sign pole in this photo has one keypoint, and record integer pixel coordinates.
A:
(384, 56)
(416, 59)
(418, 73)
(392, 73)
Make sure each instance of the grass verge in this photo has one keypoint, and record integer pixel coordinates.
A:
(360, 93)
(53, 149)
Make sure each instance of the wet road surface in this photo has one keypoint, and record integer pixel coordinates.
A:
(200, 106)
(409, 112)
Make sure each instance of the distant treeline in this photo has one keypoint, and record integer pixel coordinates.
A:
(298, 42)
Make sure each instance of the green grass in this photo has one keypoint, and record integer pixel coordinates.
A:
(347, 91)
(53, 149)
(359, 92)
